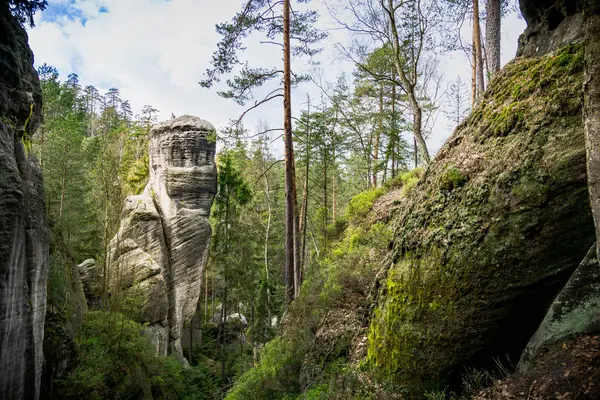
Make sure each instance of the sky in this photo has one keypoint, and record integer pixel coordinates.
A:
(156, 51)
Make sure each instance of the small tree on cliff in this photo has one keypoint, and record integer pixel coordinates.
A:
(24, 10)
(262, 16)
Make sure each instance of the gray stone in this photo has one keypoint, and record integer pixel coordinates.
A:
(162, 245)
(24, 235)
(550, 25)
(91, 279)
(576, 310)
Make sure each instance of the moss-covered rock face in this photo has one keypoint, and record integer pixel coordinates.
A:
(492, 232)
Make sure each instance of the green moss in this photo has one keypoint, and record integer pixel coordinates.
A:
(361, 204)
(453, 178)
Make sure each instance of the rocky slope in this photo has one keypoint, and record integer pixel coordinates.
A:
(162, 246)
(24, 236)
(493, 231)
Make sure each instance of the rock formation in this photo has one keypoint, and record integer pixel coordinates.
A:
(492, 232)
(162, 246)
(24, 236)
(575, 311)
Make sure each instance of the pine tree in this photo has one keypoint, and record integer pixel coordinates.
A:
(261, 16)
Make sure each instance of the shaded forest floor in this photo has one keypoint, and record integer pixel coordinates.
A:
(568, 370)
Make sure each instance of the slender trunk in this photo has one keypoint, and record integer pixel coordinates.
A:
(290, 265)
(222, 335)
(326, 205)
(416, 152)
(591, 108)
(377, 139)
(267, 233)
(409, 86)
(225, 284)
(370, 159)
(394, 131)
(418, 131)
(296, 234)
(333, 199)
(478, 49)
(304, 213)
(205, 293)
(62, 194)
(493, 22)
(474, 73)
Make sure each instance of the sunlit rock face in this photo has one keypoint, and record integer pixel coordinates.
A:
(24, 237)
(160, 251)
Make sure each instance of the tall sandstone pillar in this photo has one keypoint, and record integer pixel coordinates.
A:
(161, 249)
(24, 237)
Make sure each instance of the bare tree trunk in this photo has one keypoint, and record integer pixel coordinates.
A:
(478, 49)
(493, 22)
(290, 265)
(326, 205)
(62, 193)
(416, 152)
(267, 233)
(394, 134)
(409, 86)
(377, 138)
(474, 73)
(205, 293)
(592, 106)
(333, 197)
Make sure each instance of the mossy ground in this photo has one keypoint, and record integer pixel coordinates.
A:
(488, 236)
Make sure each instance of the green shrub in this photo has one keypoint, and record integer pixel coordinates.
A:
(115, 361)
(361, 204)
(275, 376)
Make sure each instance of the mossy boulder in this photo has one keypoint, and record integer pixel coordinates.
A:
(492, 232)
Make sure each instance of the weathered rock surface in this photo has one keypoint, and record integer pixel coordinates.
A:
(551, 24)
(24, 236)
(493, 231)
(91, 280)
(575, 311)
(162, 246)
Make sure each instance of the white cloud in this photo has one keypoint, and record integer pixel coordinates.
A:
(156, 51)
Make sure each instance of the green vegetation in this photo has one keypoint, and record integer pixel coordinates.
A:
(324, 334)
(361, 204)
(116, 361)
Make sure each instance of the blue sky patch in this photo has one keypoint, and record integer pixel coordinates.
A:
(66, 10)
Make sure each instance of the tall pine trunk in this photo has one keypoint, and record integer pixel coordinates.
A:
(478, 49)
(290, 200)
(493, 21)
